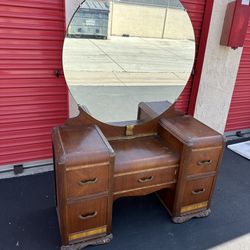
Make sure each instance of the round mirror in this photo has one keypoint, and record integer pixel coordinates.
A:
(119, 53)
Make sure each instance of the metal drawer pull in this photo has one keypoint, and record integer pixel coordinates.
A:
(87, 216)
(90, 181)
(198, 191)
(146, 179)
(205, 162)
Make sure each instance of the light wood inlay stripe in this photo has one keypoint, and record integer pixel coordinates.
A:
(88, 166)
(131, 137)
(145, 170)
(88, 233)
(206, 149)
(194, 207)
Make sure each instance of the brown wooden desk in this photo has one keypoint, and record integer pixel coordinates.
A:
(174, 155)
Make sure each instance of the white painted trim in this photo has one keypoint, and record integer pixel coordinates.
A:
(218, 76)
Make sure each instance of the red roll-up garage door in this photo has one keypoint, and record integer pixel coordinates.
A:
(239, 113)
(196, 11)
(32, 98)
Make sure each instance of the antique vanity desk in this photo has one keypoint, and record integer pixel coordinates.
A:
(174, 155)
(120, 59)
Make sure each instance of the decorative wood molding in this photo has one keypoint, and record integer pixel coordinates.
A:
(79, 246)
(187, 217)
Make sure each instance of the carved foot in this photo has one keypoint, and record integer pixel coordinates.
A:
(81, 245)
(187, 217)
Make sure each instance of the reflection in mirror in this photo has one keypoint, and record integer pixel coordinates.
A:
(120, 53)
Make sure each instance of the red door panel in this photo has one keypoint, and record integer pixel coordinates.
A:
(196, 11)
(239, 113)
(32, 99)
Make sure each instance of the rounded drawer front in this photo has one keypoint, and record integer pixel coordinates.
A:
(87, 214)
(141, 179)
(202, 161)
(197, 191)
(86, 181)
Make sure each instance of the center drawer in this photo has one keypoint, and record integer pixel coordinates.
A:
(140, 179)
(87, 180)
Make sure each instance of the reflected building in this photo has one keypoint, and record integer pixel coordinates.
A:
(90, 20)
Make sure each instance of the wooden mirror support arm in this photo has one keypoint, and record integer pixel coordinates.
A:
(171, 154)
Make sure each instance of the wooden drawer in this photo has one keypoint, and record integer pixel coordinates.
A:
(86, 181)
(129, 181)
(87, 214)
(202, 161)
(197, 191)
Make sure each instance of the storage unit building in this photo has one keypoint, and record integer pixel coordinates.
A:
(90, 21)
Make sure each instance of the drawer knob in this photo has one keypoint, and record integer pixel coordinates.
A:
(205, 163)
(86, 182)
(88, 216)
(198, 191)
(146, 179)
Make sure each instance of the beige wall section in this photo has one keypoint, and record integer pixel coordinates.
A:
(164, 23)
(178, 25)
(130, 19)
(70, 8)
(218, 74)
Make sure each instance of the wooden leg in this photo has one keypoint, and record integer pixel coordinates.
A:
(81, 245)
(187, 217)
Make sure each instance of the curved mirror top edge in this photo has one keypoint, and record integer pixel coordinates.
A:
(120, 53)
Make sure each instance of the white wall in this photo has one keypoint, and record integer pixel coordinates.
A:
(218, 74)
